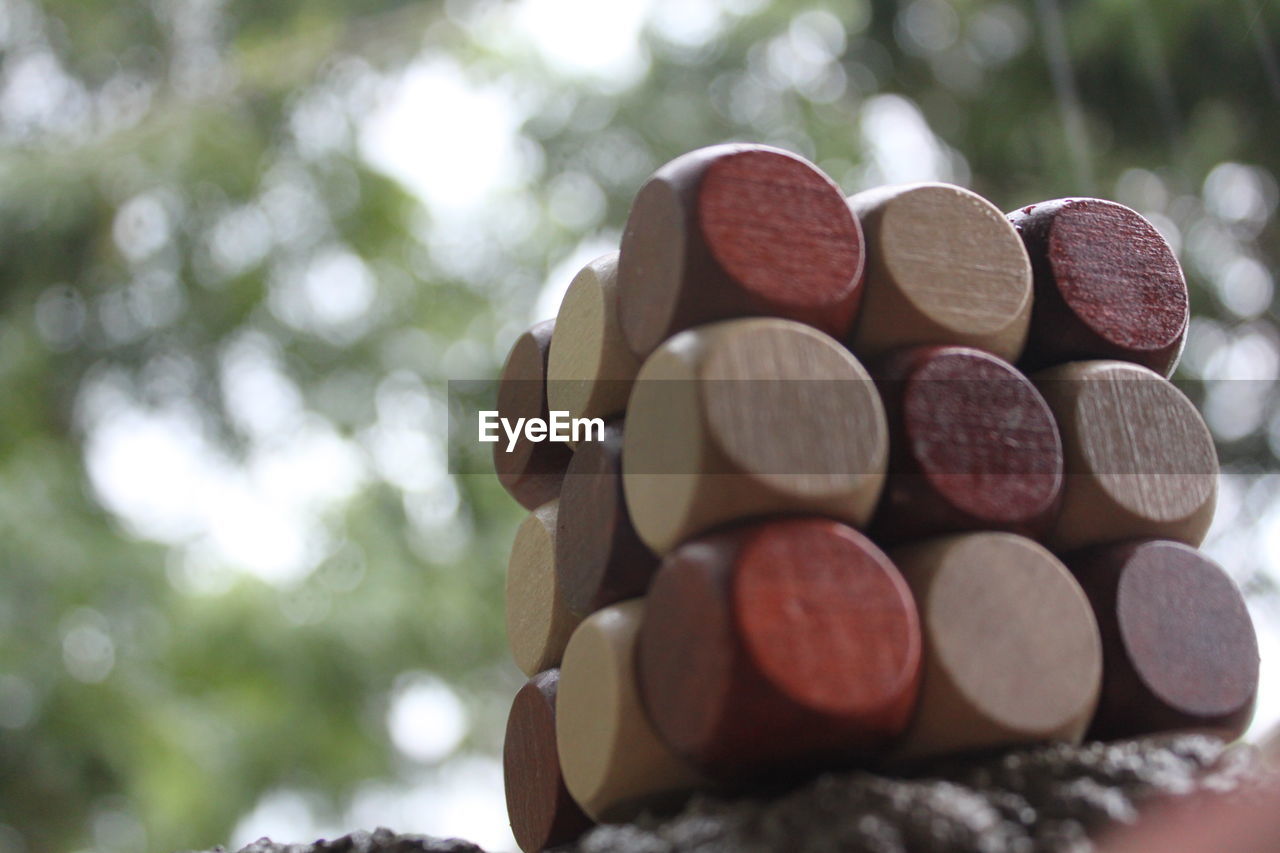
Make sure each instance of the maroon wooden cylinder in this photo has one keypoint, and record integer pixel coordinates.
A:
(1179, 649)
(778, 646)
(1107, 286)
(972, 446)
(531, 471)
(735, 231)
(541, 811)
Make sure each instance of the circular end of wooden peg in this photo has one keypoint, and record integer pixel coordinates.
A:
(1107, 285)
(539, 620)
(600, 558)
(944, 266)
(973, 446)
(748, 417)
(590, 368)
(614, 764)
(1139, 459)
(541, 811)
(531, 471)
(1180, 647)
(737, 230)
(1011, 649)
(778, 646)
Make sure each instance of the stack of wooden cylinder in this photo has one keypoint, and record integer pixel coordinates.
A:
(883, 478)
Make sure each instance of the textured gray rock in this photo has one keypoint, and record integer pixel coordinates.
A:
(1050, 798)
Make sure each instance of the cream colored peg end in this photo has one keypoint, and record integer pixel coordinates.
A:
(1139, 459)
(944, 266)
(613, 762)
(1012, 653)
(539, 623)
(590, 368)
(750, 417)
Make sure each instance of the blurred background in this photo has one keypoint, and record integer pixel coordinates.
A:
(245, 244)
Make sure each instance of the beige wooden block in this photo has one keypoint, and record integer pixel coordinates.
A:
(539, 623)
(1012, 652)
(613, 762)
(1139, 459)
(944, 266)
(590, 368)
(746, 418)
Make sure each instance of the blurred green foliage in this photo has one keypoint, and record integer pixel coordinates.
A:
(171, 170)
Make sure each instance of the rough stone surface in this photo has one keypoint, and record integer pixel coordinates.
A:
(1050, 798)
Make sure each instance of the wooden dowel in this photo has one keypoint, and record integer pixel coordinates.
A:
(732, 231)
(1011, 649)
(1179, 645)
(541, 811)
(1139, 459)
(1107, 286)
(531, 472)
(746, 418)
(943, 267)
(539, 620)
(778, 647)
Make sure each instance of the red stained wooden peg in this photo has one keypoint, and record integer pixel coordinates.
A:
(733, 231)
(972, 446)
(1179, 647)
(599, 558)
(531, 472)
(1107, 285)
(541, 811)
(776, 646)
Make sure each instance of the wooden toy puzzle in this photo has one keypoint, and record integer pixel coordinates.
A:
(879, 480)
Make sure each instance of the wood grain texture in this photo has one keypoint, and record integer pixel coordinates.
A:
(1107, 286)
(746, 418)
(733, 231)
(778, 647)
(599, 558)
(541, 811)
(531, 472)
(1179, 647)
(1139, 459)
(1011, 649)
(590, 367)
(539, 620)
(943, 267)
(614, 763)
(972, 446)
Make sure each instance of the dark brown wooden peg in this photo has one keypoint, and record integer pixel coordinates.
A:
(972, 446)
(541, 811)
(1179, 647)
(733, 231)
(531, 471)
(599, 558)
(1107, 285)
(778, 646)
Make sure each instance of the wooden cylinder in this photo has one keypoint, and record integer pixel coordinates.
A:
(972, 446)
(599, 557)
(590, 367)
(1107, 286)
(614, 764)
(746, 418)
(777, 647)
(1011, 649)
(539, 620)
(1179, 647)
(541, 811)
(1140, 461)
(944, 266)
(733, 231)
(531, 471)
